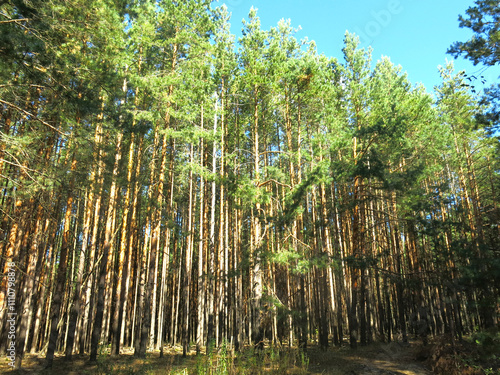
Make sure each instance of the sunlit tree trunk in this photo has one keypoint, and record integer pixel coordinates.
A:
(61, 275)
(108, 242)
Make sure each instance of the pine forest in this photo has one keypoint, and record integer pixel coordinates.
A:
(165, 182)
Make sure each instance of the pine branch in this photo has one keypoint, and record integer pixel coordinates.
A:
(32, 116)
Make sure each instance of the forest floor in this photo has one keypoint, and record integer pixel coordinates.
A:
(377, 358)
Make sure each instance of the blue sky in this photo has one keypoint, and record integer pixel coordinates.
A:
(413, 33)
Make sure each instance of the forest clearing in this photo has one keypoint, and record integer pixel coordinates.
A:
(167, 186)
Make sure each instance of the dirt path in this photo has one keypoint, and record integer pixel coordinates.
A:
(387, 359)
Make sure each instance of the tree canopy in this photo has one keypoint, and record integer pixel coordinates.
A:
(483, 48)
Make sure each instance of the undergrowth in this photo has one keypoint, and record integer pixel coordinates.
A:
(249, 362)
(477, 354)
(217, 361)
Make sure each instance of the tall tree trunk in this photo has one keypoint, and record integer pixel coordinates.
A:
(61, 275)
(200, 329)
(211, 261)
(28, 291)
(188, 262)
(257, 282)
(108, 239)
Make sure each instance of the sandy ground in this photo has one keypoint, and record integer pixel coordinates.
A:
(378, 358)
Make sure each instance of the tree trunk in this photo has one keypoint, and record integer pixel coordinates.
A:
(108, 239)
(61, 276)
